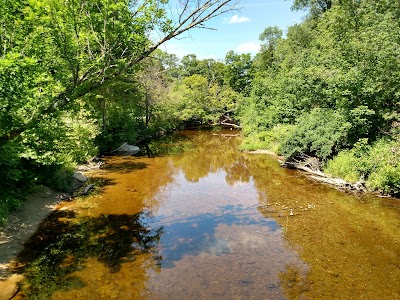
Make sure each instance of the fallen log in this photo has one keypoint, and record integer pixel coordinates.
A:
(230, 125)
(359, 186)
(300, 166)
(88, 188)
(311, 166)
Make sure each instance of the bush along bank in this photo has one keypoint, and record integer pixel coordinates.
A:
(330, 89)
(373, 167)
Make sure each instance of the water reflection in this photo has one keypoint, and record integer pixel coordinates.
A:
(194, 218)
(350, 242)
(64, 243)
(196, 234)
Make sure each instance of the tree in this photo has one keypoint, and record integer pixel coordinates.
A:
(154, 79)
(67, 80)
(213, 70)
(238, 71)
(265, 58)
(83, 44)
(189, 65)
(316, 7)
(334, 82)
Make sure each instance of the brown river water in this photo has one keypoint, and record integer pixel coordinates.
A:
(195, 218)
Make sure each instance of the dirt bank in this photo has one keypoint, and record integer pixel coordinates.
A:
(21, 225)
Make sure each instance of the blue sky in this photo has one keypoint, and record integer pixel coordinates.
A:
(238, 30)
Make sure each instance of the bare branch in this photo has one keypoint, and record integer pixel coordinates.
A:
(195, 19)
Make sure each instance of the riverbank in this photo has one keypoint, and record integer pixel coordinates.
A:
(321, 177)
(20, 227)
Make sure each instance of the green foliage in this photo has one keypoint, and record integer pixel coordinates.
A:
(271, 139)
(321, 133)
(197, 101)
(347, 59)
(119, 110)
(386, 180)
(15, 181)
(238, 72)
(335, 77)
(69, 83)
(344, 166)
(21, 92)
(265, 58)
(378, 164)
(315, 7)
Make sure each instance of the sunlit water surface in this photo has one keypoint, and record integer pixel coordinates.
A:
(194, 218)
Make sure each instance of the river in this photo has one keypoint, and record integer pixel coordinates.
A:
(195, 218)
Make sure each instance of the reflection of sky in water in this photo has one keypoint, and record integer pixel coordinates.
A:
(192, 226)
(191, 214)
(198, 234)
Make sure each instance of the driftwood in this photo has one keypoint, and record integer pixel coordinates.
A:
(93, 164)
(303, 167)
(81, 191)
(224, 123)
(226, 135)
(88, 188)
(311, 166)
(359, 186)
(227, 121)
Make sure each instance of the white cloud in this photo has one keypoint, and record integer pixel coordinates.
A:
(247, 47)
(236, 19)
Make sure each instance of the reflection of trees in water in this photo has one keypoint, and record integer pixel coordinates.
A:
(213, 152)
(238, 171)
(173, 144)
(62, 244)
(325, 224)
(199, 153)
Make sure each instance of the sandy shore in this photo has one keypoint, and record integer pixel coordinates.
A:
(21, 226)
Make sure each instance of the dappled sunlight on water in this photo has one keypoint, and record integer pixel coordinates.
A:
(194, 218)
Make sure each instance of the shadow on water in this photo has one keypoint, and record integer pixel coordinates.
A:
(197, 234)
(124, 166)
(64, 242)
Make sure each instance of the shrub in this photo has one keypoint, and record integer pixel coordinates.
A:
(270, 139)
(386, 180)
(15, 181)
(344, 165)
(378, 164)
(320, 133)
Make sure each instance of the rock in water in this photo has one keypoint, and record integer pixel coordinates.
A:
(127, 149)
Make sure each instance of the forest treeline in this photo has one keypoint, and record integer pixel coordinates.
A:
(330, 89)
(80, 77)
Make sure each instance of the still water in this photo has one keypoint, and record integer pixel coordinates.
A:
(194, 218)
